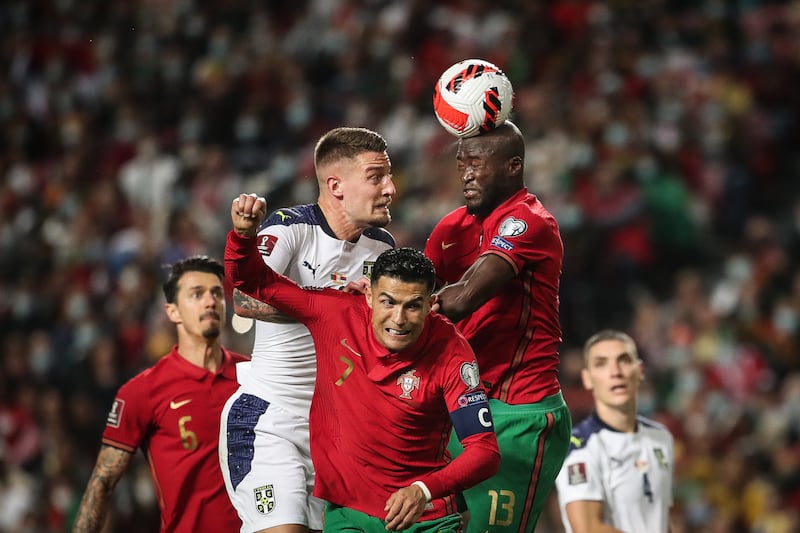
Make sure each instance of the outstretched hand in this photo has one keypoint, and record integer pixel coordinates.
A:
(247, 213)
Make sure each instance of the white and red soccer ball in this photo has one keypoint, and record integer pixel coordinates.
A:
(471, 97)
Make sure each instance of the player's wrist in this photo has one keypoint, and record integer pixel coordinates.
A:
(424, 488)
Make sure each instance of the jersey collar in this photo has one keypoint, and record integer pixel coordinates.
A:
(323, 222)
(500, 210)
(228, 368)
(600, 423)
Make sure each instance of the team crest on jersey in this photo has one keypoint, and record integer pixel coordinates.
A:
(115, 414)
(367, 270)
(470, 375)
(576, 474)
(408, 383)
(512, 227)
(265, 499)
(266, 244)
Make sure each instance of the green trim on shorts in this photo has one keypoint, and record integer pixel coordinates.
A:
(533, 440)
(340, 519)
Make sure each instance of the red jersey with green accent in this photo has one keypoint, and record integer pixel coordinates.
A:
(172, 411)
(517, 333)
(380, 421)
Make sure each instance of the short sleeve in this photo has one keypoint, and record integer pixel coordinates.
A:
(276, 245)
(523, 237)
(129, 417)
(580, 478)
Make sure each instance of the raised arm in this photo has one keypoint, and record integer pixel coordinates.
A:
(249, 307)
(487, 275)
(111, 464)
(247, 213)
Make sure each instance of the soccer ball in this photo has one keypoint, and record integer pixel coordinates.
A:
(471, 97)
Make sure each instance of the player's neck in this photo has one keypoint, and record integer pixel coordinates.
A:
(340, 224)
(621, 418)
(201, 352)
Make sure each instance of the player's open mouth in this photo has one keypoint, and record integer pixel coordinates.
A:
(397, 332)
(470, 193)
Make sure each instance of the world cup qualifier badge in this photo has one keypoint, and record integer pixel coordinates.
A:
(265, 499)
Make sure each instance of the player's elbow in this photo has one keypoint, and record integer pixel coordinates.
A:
(455, 306)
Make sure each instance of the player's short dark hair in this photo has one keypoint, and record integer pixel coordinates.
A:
(196, 263)
(346, 143)
(405, 264)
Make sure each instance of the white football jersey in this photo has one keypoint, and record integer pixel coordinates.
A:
(298, 243)
(631, 473)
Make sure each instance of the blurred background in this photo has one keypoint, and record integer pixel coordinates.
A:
(663, 136)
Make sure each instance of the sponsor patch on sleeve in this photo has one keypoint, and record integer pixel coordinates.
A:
(471, 398)
(115, 414)
(577, 473)
(500, 242)
(266, 244)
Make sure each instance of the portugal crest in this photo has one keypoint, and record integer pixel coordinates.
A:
(265, 499)
(408, 382)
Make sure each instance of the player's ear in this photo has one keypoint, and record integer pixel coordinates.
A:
(586, 379)
(368, 294)
(515, 165)
(334, 185)
(172, 313)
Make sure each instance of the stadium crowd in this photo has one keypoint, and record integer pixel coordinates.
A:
(662, 135)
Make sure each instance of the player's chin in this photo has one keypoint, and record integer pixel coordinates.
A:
(473, 205)
(381, 218)
(397, 341)
(212, 332)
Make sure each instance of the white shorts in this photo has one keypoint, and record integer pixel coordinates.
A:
(265, 458)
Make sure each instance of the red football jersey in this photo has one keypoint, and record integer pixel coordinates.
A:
(172, 411)
(516, 334)
(380, 421)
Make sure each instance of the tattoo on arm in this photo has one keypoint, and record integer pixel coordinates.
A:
(111, 464)
(249, 307)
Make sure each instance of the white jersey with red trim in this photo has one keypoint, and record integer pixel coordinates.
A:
(298, 243)
(631, 473)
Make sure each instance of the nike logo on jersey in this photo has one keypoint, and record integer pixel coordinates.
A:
(175, 405)
(446, 245)
(344, 343)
